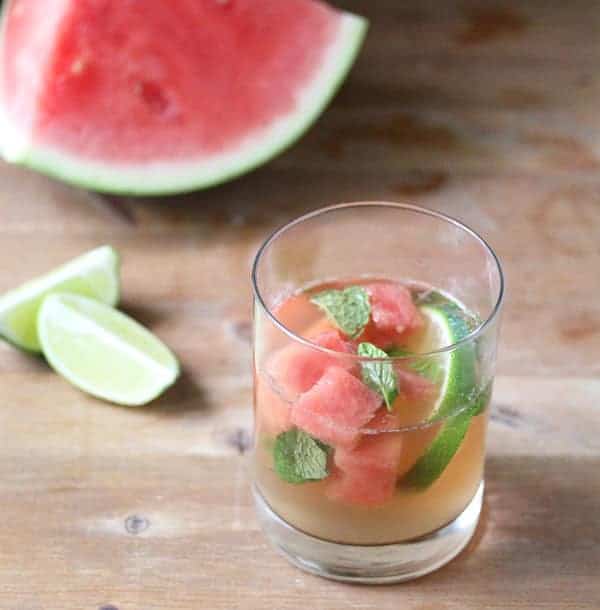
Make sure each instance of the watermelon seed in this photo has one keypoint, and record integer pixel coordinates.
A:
(78, 65)
(154, 97)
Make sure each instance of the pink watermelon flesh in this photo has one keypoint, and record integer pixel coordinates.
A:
(335, 408)
(137, 81)
(373, 451)
(273, 413)
(383, 421)
(363, 487)
(296, 368)
(414, 387)
(394, 316)
(366, 473)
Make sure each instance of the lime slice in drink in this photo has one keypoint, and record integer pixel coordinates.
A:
(95, 274)
(104, 352)
(460, 397)
(447, 324)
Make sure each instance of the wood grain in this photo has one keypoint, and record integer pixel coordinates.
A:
(487, 111)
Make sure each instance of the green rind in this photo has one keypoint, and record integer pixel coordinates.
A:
(49, 332)
(461, 402)
(19, 307)
(155, 181)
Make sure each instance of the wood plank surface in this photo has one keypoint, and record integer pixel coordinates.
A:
(484, 110)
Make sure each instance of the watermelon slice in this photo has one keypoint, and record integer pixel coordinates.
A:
(394, 316)
(335, 408)
(158, 96)
(296, 368)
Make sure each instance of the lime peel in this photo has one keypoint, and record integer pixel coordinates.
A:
(94, 274)
(459, 398)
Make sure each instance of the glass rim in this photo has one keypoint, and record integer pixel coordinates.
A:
(472, 336)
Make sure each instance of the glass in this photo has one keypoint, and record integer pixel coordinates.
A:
(356, 523)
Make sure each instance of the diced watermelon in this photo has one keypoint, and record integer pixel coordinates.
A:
(392, 307)
(414, 387)
(273, 413)
(366, 474)
(322, 325)
(394, 316)
(332, 340)
(378, 451)
(296, 368)
(383, 421)
(336, 407)
(364, 487)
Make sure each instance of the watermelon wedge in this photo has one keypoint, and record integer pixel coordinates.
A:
(163, 96)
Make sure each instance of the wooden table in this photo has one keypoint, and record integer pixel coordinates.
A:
(489, 114)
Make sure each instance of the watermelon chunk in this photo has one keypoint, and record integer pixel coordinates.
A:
(377, 451)
(296, 368)
(367, 487)
(273, 413)
(366, 473)
(161, 96)
(384, 421)
(394, 316)
(335, 408)
(414, 387)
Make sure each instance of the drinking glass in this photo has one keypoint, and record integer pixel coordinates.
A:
(436, 501)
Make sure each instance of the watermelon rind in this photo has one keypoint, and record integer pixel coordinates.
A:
(164, 177)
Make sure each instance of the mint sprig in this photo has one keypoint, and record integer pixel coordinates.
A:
(348, 309)
(379, 376)
(299, 457)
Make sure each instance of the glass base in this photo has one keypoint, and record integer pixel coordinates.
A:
(381, 564)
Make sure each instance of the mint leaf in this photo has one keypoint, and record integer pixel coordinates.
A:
(397, 352)
(299, 457)
(348, 309)
(379, 376)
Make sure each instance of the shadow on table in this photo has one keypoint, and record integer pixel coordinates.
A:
(184, 396)
(539, 525)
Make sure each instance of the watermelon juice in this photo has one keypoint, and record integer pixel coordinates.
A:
(376, 485)
(375, 331)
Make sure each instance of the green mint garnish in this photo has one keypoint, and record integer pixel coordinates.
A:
(348, 309)
(426, 367)
(397, 352)
(299, 457)
(379, 376)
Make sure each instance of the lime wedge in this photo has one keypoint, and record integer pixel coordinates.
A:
(95, 274)
(446, 325)
(459, 399)
(104, 352)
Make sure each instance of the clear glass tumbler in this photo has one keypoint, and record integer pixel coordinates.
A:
(399, 495)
